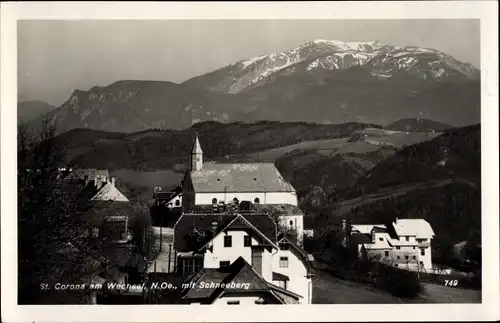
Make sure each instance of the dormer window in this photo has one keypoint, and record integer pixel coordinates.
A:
(214, 201)
(236, 201)
(256, 200)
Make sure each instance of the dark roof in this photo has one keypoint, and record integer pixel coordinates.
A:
(91, 173)
(278, 209)
(238, 272)
(168, 195)
(379, 229)
(278, 276)
(102, 209)
(308, 222)
(251, 177)
(192, 231)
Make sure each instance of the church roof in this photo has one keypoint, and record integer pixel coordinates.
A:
(251, 177)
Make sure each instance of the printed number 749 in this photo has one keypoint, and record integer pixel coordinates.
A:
(452, 283)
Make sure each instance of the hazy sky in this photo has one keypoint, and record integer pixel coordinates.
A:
(56, 57)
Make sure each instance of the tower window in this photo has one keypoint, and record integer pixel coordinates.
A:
(283, 262)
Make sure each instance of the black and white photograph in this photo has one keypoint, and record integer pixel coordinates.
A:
(266, 161)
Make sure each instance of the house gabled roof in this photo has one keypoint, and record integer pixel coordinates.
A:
(239, 272)
(109, 192)
(168, 195)
(193, 230)
(240, 222)
(413, 227)
(249, 177)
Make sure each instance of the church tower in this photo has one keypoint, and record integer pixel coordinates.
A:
(196, 155)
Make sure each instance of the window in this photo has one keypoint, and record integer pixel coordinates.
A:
(256, 200)
(228, 241)
(177, 202)
(422, 252)
(282, 284)
(413, 247)
(399, 257)
(397, 248)
(291, 222)
(236, 201)
(190, 266)
(214, 201)
(407, 238)
(422, 263)
(414, 257)
(283, 262)
(233, 302)
(395, 265)
(223, 264)
(381, 239)
(406, 257)
(247, 241)
(386, 253)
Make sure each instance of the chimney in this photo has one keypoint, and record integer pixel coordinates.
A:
(214, 227)
(98, 182)
(344, 224)
(86, 178)
(257, 259)
(113, 180)
(396, 220)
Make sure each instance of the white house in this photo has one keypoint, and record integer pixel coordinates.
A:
(171, 199)
(107, 191)
(406, 243)
(213, 183)
(212, 243)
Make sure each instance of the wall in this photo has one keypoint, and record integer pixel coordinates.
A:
(172, 203)
(244, 298)
(221, 253)
(297, 224)
(264, 197)
(296, 271)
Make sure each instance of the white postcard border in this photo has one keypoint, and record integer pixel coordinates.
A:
(484, 10)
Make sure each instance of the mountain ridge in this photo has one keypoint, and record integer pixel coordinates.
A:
(320, 81)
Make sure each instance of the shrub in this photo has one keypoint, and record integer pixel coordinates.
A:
(398, 282)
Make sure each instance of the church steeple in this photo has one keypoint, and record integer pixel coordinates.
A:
(196, 155)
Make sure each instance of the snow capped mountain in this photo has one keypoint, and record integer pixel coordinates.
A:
(381, 61)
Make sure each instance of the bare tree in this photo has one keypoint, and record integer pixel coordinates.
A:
(55, 244)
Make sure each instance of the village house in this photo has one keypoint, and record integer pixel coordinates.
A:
(405, 243)
(210, 245)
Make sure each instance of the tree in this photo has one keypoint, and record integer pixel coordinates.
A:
(55, 243)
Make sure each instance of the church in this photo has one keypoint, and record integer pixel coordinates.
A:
(225, 183)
